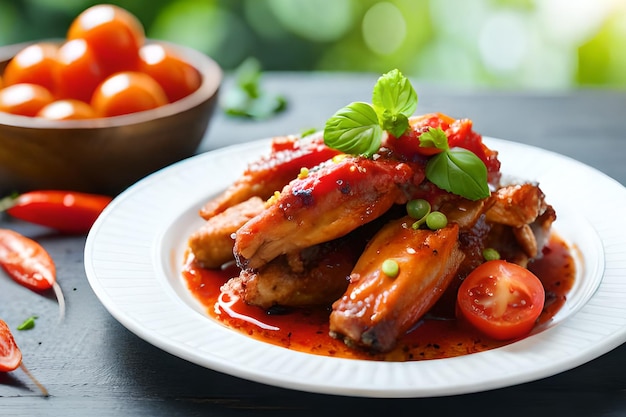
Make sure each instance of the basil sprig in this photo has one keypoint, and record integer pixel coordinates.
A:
(457, 170)
(358, 129)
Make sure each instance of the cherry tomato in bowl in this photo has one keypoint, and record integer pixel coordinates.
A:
(501, 299)
(113, 33)
(68, 109)
(78, 71)
(35, 64)
(24, 99)
(177, 77)
(127, 92)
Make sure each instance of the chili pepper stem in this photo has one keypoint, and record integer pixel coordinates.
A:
(60, 298)
(43, 389)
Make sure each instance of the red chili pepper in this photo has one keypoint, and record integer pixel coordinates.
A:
(29, 264)
(10, 354)
(66, 211)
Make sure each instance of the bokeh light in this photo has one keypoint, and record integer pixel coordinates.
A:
(528, 44)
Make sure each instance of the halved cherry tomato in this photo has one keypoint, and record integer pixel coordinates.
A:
(34, 64)
(501, 299)
(114, 34)
(68, 109)
(10, 354)
(127, 92)
(24, 99)
(65, 211)
(177, 77)
(78, 72)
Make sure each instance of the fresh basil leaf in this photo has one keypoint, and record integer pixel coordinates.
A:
(394, 92)
(354, 129)
(434, 138)
(460, 172)
(248, 76)
(395, 124)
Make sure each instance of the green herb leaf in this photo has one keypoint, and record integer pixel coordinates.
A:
(27, 324)
(394, 124)
(247, 99)
(394, 100)
(393, 92)
(354, 129)
(460, 172)
(434, 138)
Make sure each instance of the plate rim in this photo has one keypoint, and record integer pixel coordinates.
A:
(292, 378)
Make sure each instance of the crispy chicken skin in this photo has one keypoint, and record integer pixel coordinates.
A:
(376, 309)
(262, 178)
(327, 204)
(516, 205)
(212, 244)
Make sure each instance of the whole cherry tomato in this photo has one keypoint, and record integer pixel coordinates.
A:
(68, 109)
(78, 72)
(127, 92)
(114, 34)
(34, 64)
(10, 354)
(177, 77)
(24, 99)
(501, 299)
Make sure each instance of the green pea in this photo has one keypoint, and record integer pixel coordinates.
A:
(390, 268)
(436, 220)
(490, 254)
(418, 208)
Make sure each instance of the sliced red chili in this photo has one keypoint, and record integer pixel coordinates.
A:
(10, 354)
(29, 264)
(26, 261)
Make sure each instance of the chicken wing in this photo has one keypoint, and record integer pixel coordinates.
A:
(212, 243)
(376, 309)
(331, 201)
(271, 173)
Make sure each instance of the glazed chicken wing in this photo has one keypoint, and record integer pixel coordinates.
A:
(212, 244)
(329, 203)
(262, 178)
(376, 309)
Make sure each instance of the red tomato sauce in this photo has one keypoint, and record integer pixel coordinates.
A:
(306, 330)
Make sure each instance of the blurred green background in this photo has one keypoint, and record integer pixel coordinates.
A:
(530, 44)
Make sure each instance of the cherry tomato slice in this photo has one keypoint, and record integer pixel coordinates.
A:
(114, 34)
(501, 299)
(68, 109)
(127, 92)
(34, 64)
(78, 72)
(10, 354)
(65, 211)
(177, 77)
(24, 99)
(26, 261)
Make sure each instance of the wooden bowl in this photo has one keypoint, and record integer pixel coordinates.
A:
(105, 155)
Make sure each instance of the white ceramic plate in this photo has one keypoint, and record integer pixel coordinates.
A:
(134, 254)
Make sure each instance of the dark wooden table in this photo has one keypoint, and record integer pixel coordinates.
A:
(93, 366)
